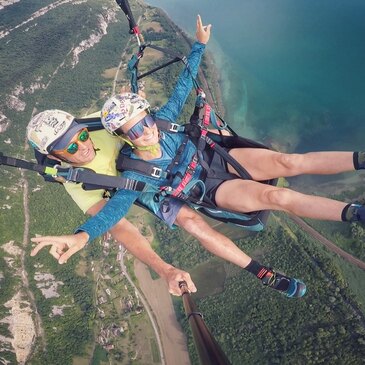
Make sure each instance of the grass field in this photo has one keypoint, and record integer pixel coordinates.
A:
(203, 274)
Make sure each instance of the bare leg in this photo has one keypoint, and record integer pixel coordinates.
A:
(224, 248)
(212, 240)
(247, 196)
(265, 164)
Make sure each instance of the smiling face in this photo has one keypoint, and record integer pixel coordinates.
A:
(149, 133)
(84, 154)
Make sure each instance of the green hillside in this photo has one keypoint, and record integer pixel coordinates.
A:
(254, 324)
(40, 68)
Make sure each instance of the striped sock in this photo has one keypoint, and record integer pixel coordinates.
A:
(264, 274)
(257, 269)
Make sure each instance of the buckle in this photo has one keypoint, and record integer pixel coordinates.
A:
(174, 127)
(156, 172)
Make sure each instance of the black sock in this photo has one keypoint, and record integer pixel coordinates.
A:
(263, 272)
(359, 160)
(353, 213)
(257, 269)
(347, 213)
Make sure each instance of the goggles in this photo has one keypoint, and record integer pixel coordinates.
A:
(138, 129)
(73, 147)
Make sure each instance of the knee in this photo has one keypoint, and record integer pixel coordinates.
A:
(190, 221)
(289, 162)
(280, 198)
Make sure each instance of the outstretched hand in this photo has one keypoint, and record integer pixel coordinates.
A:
(202, 31)
(62, 247)
(174, 276)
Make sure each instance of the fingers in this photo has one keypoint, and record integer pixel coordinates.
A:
(207, 28)
(174, 288)
(190, 284)
(44, 241)
(200, 26)
(202, 32)
(199, 23)
(54, 252)
(62, 247)
(174, 280)
(37, 248)
(53, 239)
(63, 259)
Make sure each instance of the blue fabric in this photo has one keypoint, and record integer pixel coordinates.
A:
(169, 215)
(121, 202)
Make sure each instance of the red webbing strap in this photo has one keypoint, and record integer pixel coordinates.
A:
(187, 177)
(206, 118)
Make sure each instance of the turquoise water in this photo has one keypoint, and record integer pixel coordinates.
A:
(293, 71)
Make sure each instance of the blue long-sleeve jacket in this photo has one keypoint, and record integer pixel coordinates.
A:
(121, 202)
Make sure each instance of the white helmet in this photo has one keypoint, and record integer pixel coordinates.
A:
(46, 128)
(120, 109)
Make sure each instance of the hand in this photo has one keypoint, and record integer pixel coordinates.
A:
(127, 89)
(202, 31)
(62, 247)
(174, 276)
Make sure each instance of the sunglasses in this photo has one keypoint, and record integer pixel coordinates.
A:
(138, 129)
(73, 147)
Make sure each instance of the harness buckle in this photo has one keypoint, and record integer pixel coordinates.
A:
(156, 172)
(174, 127)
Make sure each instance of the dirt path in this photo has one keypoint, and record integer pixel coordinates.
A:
(329, 244)
(24, 321)
(37, 317)
(149, 311)
(158, 297)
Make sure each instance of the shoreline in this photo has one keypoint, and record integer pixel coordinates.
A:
(213, 91)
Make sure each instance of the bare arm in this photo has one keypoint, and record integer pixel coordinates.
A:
(63, 247)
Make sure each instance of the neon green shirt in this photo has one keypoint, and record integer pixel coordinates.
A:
(107, 147)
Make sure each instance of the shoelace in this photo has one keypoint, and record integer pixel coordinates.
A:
(272, 280)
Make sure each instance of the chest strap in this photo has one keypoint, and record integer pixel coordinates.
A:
(167, 126)
(125, 163)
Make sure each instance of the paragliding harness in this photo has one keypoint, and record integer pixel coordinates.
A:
(191, 192)
(196, 131)
(89, 179)
(51, 171)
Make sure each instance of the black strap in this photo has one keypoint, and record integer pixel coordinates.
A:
(158, 68)
(176, 160)
(133, 65)
(77, 175)
(168, 126)
(89, 177)
(125, 163)
(16, 162)
(229, 159)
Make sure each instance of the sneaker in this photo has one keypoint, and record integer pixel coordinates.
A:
(290, 287)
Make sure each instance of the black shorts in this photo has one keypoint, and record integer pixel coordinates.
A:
(216, 163)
